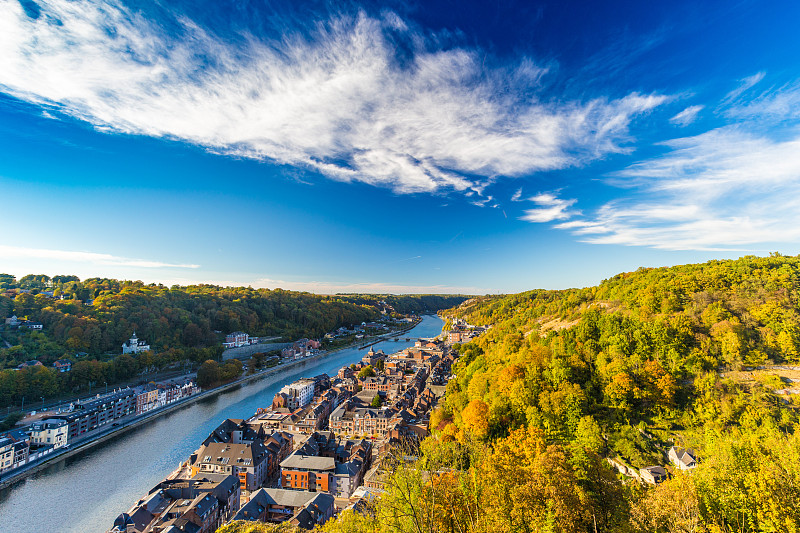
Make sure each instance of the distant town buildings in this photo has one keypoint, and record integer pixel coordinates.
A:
(297, 394)
(301, 348)
(63, 365)
(27, 444)
(337, 422)
(461, 332)
(96, 412)
(237, 339)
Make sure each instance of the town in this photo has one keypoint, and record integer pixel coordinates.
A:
(314, 452)
(51, 432)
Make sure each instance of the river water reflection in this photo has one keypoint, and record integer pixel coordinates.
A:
(86, 492)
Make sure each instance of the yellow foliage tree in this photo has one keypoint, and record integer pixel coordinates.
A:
(475, 418)
(529, 486)
(671, 507)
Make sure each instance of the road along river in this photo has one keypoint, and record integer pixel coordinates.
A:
(86, 492)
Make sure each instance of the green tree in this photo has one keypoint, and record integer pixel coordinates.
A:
(208, 374)
(366, 372)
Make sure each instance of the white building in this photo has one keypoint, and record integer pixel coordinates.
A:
(300, 393)
(238, 338)
(683, 458)
(135, 345)
(53, 432)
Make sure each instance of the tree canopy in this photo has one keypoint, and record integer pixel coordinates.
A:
(563, 380)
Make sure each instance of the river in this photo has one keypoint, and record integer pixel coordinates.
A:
(86, 492)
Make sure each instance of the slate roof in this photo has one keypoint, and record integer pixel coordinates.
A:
(308, 462)
(263, 498)
(312, 512)
(684, 456)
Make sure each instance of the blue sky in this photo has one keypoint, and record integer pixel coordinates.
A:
(435, 146)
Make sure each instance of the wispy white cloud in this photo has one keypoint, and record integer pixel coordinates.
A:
(17, 252)
(687, 116)
(777, 104)
(745, 84)
(335, 100)
(734, 187)
(517, 195)
(551, 208)
(724, 189)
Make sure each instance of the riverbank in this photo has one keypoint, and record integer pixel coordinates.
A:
(11, 478)
(87, 491)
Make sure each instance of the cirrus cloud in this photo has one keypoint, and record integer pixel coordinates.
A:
(687, 116)
(334, 98)
(550, 208)
(726, 189)
(733, 187)
(19, 252)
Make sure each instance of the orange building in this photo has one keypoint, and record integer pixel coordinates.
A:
(307, 472)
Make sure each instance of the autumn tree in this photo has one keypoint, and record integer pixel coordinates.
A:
(475, 418)
(669, 507)
(529, 485)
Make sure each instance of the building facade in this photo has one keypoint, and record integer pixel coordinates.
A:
(135, 345)
(300, 393)
(51, 432)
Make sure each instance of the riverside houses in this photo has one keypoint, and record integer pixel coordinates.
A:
(147, 398)
(352, 420)
(198, 505)
(15, 447)
(96, 412)
(6, 454)
(247, 461)
(236, 431)
(237, 339)
(258, 451)
(51, 432)
(326, 464)
(299, 393)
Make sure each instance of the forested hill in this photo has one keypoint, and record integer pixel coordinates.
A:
(566, 381)
(689, 317)
(407, 304)
(98, 314)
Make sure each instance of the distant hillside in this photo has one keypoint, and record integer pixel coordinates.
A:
(98, 315)
(94, 317)
(407, 304)
(689, 317)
